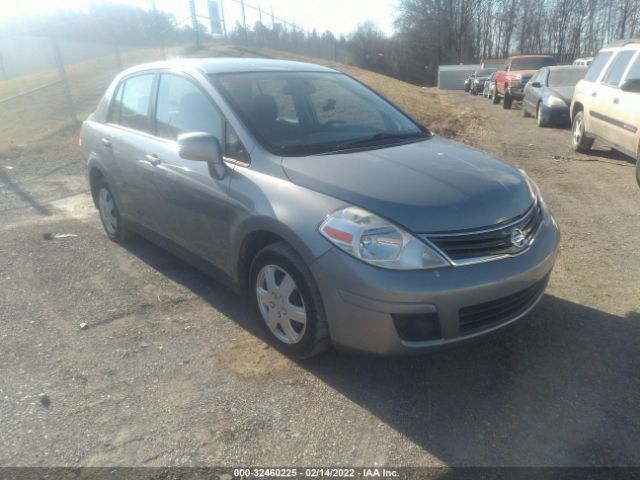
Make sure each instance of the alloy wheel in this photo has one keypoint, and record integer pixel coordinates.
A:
(108, 212)
(280, 303)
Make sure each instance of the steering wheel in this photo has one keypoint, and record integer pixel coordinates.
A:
(335, 122)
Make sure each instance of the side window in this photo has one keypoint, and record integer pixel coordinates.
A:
(134, 104)
(116, 105)
(233, 147)
(597, 65)
(617, 68)
(634, 71)
(183, 107)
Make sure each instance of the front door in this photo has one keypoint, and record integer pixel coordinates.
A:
(192, 207)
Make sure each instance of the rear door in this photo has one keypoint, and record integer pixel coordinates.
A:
(192, 206)
(128, 127)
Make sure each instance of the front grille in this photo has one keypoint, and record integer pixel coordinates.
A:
(494, 242)
(485, 315)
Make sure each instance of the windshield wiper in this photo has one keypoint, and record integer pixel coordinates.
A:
(383, 136)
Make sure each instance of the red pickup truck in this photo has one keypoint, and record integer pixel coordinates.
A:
(519, 69)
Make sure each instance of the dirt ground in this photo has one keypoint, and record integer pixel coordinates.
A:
(127, 356)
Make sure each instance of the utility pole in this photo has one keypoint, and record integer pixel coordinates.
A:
(63, 78)
(224, 22)
(194, 21)
(244, 24)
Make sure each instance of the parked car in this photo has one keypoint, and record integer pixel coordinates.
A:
(519, 69)
(468, 82)
(583, 61)
(346, 221)
(606, 103)
(549, 92)
(489, 86)
(480, 77)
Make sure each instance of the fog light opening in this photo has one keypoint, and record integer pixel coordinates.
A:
(418, 327)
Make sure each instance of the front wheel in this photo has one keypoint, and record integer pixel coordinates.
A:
(581, 143)
(287, 303)
(506, 104)
(540, 117)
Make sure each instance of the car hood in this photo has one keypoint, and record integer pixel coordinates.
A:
(429, 186)
(565, 93)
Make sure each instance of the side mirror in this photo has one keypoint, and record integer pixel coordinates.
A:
(631, 85)
(536, 85)
(202, 147)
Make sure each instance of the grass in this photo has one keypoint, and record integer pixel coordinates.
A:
(38, 126)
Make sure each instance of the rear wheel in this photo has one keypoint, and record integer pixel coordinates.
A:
(581, 143)
(495, 98)
(506, 104)
(287, 303)
(112, 222)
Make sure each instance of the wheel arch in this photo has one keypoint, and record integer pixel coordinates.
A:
(256, 234)
(577, 107)
(95, 176)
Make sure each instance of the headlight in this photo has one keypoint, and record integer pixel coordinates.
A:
(377, 241)
(552, 101)
(533, 187)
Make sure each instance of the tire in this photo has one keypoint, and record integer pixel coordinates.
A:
(506, 104)
(581, 143)
(295, 325)
(495, 99)
(112, 222)
(638, 170)
(539, 120)
(524, 111)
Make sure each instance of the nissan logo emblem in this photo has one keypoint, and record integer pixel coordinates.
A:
(518, 239)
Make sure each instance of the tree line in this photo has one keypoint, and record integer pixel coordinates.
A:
(427, 33)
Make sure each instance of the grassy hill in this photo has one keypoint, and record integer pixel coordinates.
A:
(37, 126)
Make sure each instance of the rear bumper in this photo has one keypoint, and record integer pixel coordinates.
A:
(361, 301)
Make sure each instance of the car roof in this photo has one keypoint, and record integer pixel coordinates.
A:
(233, 65)
(566, 67)
(517, 57)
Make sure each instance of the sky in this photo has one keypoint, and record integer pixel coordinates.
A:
(339, 16)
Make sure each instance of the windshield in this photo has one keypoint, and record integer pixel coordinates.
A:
(485, 72)
(568, 77)
(532, 63)
(295, 113)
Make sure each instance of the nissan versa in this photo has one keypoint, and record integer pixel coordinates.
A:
(347, 222)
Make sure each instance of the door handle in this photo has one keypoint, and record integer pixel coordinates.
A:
(594, 94)
(616, 101)
(106, 143)
(152, 159)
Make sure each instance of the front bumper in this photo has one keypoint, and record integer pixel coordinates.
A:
(516, 92)
(360, 299)
(555, 115)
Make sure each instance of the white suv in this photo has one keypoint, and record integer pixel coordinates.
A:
(606, 104)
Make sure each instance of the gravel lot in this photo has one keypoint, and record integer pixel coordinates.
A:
(167, 371)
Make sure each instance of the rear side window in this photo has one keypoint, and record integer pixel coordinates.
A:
(183, 107)
(634, 71)
(597, 66)
(130, 107)
(617, 68)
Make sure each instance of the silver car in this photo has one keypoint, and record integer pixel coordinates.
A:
(347, 222)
